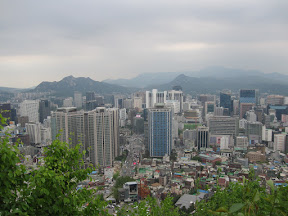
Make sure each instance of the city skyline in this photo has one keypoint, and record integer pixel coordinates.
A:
(101, 40)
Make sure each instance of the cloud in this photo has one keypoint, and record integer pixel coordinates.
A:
(46, 40)
(184, 47)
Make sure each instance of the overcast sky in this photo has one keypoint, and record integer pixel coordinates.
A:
(48, 40)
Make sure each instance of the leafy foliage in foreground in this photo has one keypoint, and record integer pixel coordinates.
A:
(249, 198)
(150, 206)
(49, 190)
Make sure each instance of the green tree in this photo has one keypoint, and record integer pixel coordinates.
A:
(116, 175)
(247, 198)
(218, 163)
(150, 206)
(53, 185)
(50, 189)
(197, 158)
(12, 177)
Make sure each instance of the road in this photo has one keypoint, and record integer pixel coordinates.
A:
(135, 147)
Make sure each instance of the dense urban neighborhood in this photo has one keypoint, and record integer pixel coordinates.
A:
(154, 145)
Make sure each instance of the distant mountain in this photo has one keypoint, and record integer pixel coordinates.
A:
(146, 79)
(68, 85)
(151, 79)
(196, 85)
(7, 89)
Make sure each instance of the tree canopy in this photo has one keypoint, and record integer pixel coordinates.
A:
(49, 189)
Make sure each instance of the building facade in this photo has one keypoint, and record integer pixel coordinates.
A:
(160, 131)
(96, 130)
(30, 108)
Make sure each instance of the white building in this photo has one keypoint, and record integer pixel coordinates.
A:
(224, 142)
(174, 104)
(46, 137)
(176, 95)
(103, 133)
(155, 97)
(219, 111)
(243, 123)
(30, 108)
(279, 142)
(251, 116)
(34, 131)
(96, 130)
(266, 134)
(122, 117)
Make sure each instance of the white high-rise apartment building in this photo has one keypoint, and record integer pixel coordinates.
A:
(279, 142)
(46, 137)
(122, 117)
(34, 131)
(96, 130)
(59, 123)
(103, 135)
(155, 97)
(266, 134)
(30, 108)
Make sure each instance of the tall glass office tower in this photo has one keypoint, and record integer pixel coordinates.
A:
(160, 130)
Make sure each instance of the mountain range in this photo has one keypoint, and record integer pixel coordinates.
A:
(208, 80)
(68, 85)
(147, 80)
(195, 85)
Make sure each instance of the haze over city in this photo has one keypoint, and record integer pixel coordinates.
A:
(45, 41)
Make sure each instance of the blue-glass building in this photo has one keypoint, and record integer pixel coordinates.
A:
(248, 96)
(160, 130)
(225, 101)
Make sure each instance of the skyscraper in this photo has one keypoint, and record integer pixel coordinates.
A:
(248, 99)
(155, 97)
(33, 129)
(96, 130)
(59, 123)
(103, 135)
(225, 100)
(248, 96)
(176, 95)
(30, 108)
(44, 110)
(160, 130)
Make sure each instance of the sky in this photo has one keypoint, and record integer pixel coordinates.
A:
(48, 40)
